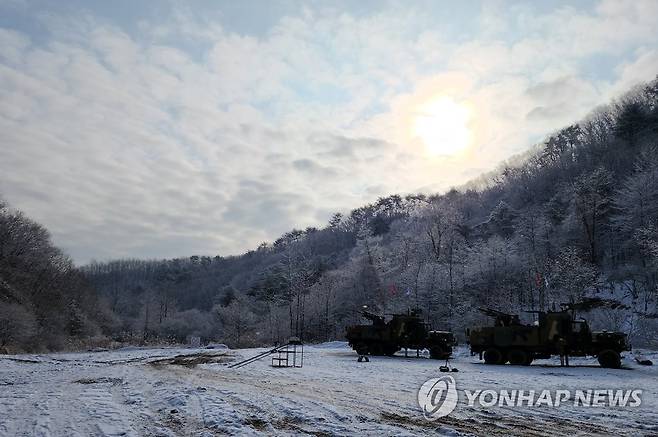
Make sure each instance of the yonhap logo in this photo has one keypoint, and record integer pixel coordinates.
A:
(438, 397)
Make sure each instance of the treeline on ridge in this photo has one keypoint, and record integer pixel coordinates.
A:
(577, 217)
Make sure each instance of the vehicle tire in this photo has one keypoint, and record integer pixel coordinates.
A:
(528, 361)
(517, 357)
(361, 349)
(493, 356)
(439, 353)
(609, 359)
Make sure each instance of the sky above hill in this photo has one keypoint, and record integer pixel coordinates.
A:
(158, 129)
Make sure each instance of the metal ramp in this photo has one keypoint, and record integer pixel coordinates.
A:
(290, 354)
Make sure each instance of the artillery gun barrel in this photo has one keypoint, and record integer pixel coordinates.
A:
(493, 313)
(372, 317)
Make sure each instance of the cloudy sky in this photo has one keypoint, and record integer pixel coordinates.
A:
(158, 129)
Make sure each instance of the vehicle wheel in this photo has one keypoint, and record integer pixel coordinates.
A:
(439, 353)
(610, 359)
(361, 349)
(493, 356)
(528, 361)
(517, 357)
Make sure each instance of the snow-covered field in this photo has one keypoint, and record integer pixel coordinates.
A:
(123, 393)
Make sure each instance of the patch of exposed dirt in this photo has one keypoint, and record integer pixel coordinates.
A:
(22, 360)
(256, 423)
(193, 360)
(185, 425)
(103, 380)
(504, 426)
(407, 420)
(295, 424)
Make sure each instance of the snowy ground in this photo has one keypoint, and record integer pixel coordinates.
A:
(123, 393)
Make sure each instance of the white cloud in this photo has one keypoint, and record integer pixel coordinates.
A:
(642, 69)
(128, 143)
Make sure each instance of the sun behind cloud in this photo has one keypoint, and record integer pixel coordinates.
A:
(442, 125)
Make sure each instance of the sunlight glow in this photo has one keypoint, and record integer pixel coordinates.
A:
(442, 126)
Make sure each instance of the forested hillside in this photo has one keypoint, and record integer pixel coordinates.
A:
(577, 217)
(45, 302)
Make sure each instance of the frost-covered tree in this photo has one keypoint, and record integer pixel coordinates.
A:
(17, 327)
(237, 322)
(574, 216)
(592, 196)
(636, 202)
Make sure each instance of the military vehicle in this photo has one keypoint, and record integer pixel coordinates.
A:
(555, 333)
(402, 331)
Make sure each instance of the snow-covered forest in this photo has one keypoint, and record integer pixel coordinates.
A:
(576, 216)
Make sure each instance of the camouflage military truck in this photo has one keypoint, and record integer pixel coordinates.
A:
(555, 333)
(403, 331)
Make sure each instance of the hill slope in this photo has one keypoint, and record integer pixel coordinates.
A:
(577, 217)
(45, 302)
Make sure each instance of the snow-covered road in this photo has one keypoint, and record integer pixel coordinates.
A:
(123, 393)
